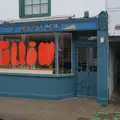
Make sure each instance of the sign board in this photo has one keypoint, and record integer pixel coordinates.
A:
(48, 26)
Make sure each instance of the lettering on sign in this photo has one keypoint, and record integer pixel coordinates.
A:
(40, 26)
(57, 26)
(22, 28)
(48, 26)
(12, 28)
(25, 28)
(45, 54)
(32, 27)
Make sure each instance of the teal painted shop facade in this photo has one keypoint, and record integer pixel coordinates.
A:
(84, 80)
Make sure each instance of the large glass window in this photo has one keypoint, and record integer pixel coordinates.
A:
(65, 53)
(36, 53)
(33, 7)
(93, 59)
(31, 53)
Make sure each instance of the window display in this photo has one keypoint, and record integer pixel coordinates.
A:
(36, 52)
(65, 53)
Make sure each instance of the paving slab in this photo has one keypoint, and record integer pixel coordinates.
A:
(69, 109)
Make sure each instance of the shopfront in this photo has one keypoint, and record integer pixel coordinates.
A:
(55, 59)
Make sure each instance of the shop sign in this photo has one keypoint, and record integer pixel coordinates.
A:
(18, 55)
(38, 26)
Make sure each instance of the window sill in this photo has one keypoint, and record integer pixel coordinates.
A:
(36, 15)
(27, 71)
(30, 73)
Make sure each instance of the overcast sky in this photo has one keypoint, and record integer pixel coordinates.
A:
(9, 9)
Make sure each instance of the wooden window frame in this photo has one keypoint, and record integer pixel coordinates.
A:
(22, 10)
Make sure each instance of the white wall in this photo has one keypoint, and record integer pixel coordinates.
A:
(77, 7)
(111, 4)
(114, 20)
(113, 9)
(9, 9)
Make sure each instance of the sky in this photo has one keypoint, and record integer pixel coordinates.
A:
(9, 9)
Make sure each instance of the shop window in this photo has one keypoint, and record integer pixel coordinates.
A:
(93, 59)
(34, 8)
(82, 59)
(65, 53)
(35, 55)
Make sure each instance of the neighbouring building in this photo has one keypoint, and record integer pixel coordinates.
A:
(113, 10)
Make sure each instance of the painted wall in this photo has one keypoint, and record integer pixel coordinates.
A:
(35, 86)
(112, 4)
(112, 71)
(113, 9)
(59, 7)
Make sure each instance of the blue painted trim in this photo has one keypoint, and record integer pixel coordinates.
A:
(56, 53)
(102, 74)
(74, 63)
(38, 96)
(74, 56)
(103, 100)
(83, 96)
(36, 75)
(37, 87)
(85, 24)
(84, 42)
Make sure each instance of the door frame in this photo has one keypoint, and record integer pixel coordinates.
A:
(78, 43)
(83, 43)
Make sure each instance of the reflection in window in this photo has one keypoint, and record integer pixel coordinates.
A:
(44, 8)
(44, 1)
(84, 59)
(79, 60)
(93, 59)
(45, 59)
(36, 1)
(36, 9)
(28, 10)
(33, 7)
(65, 53)
(28, 2)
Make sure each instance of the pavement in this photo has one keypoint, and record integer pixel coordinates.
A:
(69, 109)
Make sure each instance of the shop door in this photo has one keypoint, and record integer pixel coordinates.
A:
(86, 82)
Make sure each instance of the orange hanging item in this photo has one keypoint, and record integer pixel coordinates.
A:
(32, 44)
(4, 44)
(51, 52)
(31, 54)
(46, 53)
(41, 53)
(22, 53)
(5, 53)
(6, 57)
(14, 60)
